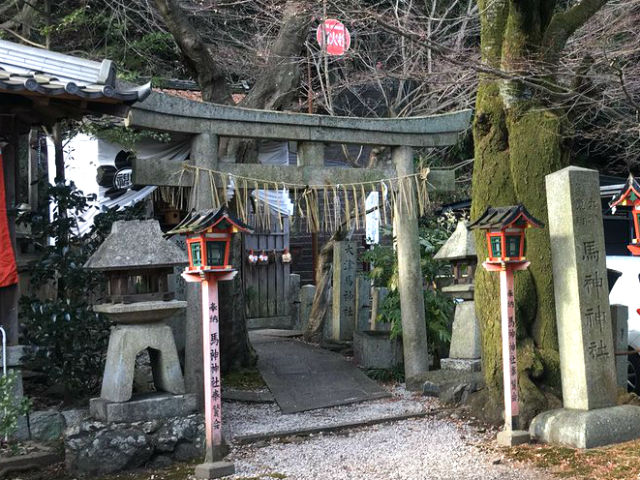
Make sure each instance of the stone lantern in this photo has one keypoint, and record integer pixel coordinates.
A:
(460, 251)
(465, 348)
(137, 260)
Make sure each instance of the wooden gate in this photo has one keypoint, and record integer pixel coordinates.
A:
(266, 286)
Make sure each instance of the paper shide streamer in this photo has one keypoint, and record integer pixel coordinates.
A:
(324, 207)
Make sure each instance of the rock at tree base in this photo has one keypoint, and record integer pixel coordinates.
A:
(96, 448)
(585, 336)
(214, 470)
(511, 438)
(451, 386)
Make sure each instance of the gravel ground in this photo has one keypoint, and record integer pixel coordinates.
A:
(435, 447)
(427, 448)
(244, 418)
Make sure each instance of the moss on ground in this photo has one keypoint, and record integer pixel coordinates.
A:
(244, 379)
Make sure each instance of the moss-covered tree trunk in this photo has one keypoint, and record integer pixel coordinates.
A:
(519, 138)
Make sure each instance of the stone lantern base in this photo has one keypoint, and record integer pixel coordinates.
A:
(139, 326)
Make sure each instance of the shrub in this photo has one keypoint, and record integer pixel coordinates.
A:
(433, 233)
(72, 336)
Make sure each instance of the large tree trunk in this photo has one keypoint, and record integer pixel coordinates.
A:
(197, 54)
(277, 86)
(518, 140)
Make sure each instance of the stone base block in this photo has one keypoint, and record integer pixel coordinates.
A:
(214, 470)
(465, 332)
(463, 364)
(436, 381)
(147, 407)
(374, 349)
(587, 428)
(94, 449)
(511, 438)
(15, 355)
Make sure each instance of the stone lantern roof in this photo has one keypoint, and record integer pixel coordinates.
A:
(459, 246)
(136, 244)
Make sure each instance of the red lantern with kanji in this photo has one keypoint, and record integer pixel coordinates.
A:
(629, 196)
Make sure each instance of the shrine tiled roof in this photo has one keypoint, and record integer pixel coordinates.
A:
(35, 71)
(503, 217)
(199, 221)
(628, 194)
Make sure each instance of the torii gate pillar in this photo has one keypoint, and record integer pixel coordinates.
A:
(204, 153)
(414, 328)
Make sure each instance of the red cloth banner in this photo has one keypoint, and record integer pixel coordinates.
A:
(8, 267)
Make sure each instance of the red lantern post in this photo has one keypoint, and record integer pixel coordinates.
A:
(505, 227)
(208, 245)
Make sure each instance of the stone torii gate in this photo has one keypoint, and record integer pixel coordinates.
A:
(206, 122)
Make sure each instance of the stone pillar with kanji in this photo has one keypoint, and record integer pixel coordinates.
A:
(590, 417)
(344, 290)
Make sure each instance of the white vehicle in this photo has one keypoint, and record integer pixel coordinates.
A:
(626, 291)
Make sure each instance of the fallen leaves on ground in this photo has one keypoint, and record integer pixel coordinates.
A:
(616, 462)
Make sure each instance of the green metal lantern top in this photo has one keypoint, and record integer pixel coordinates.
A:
(501, 218)
(200, 221)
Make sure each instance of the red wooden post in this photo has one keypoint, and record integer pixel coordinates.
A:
(208, 244)
(214, 448)
(509, 358)
(211, 364)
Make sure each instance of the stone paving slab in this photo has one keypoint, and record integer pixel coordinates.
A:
(277, 332)
(247, 396)
(304, 377)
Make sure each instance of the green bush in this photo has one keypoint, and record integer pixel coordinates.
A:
(72, 336)
(433, 233)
